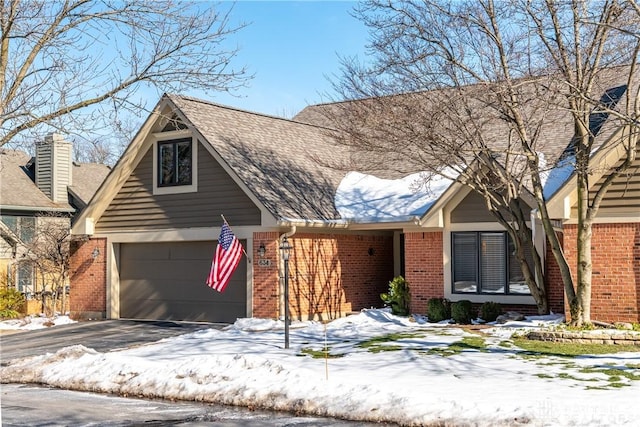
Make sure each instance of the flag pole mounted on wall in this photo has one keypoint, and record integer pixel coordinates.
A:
(226, 258)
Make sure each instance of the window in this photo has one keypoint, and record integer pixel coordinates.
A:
(24, 227)
(175, 163)
(484, 262)
(25, 278)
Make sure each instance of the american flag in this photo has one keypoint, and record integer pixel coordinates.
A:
(226, 259)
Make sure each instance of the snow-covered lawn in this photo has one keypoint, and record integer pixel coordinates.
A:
(379, 367)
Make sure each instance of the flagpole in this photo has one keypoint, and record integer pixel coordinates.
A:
(225, 221)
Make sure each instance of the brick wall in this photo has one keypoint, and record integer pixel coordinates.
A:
(88, 280)
(615, 295)
(265, 276)
(424, 268)
(332, 275)
(555, 288)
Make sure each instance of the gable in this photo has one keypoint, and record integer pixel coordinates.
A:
(622, 197)
(473, 209)
(135, 207)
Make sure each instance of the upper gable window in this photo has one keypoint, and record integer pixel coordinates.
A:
(175, 168)
(175, 165)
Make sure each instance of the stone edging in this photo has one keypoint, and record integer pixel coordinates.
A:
(587, 337)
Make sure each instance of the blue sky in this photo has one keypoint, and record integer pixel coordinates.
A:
(291, 47)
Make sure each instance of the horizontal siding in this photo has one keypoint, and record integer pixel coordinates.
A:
(136, 208)
(622, 196)
(473, 209)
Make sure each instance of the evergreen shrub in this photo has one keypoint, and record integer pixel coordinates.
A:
(11, 302)
(490, 310)
(398, 297)
(462, 312)
(438, 309)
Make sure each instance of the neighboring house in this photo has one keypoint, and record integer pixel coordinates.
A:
(155, 221)
(37, 195)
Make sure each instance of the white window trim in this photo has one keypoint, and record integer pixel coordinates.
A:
(177, 189)
(448, 279)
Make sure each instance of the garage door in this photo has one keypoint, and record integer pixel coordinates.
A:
(166, 281)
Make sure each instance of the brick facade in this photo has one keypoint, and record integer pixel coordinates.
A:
(615, 293)
(555, 287)
(424, 268)
(334, 274)
(265, 276)
(88, 279)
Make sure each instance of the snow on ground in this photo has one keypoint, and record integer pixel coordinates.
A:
(412, 377)
(34, 322)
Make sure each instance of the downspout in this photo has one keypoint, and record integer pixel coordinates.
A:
(288, 234)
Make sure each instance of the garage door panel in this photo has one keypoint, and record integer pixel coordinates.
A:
(191, 271)
(194, 291)
(190, 311)
(167, 281)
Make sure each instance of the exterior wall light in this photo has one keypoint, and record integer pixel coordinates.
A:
(262, 250)
(95, 253)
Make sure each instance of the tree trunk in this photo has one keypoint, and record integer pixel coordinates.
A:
(584, 264)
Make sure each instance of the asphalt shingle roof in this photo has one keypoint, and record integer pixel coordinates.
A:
(18, 189)
(282, 162)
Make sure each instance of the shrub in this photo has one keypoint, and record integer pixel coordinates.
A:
(438, 309)
(489, 311)
(398, 297)
(462, 312)
(11, 302)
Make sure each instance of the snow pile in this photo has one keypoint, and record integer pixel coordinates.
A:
(35, 322)
(381, 368)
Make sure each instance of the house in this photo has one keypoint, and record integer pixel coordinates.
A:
(38, 194)
(155, 221)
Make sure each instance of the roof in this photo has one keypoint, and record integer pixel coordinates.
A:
(87, 178)
(296, 170)
(282, 162)
(430, 112)
(18, 190)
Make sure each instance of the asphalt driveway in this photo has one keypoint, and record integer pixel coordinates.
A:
(101, 335)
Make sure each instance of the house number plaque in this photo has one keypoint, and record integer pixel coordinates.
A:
(264, 262)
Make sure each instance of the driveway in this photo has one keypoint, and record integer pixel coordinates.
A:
(101, 335)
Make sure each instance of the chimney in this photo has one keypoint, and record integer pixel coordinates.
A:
(53, 167)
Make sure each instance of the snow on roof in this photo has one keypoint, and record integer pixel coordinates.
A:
(366, 198)
(555, 178)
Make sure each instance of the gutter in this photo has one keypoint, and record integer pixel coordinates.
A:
(35, 209)
(349, 223)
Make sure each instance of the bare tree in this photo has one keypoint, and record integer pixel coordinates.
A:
(46, 251)
(79, 66)
(476, 91)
